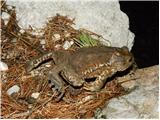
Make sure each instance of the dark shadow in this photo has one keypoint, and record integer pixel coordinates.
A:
(144, 23)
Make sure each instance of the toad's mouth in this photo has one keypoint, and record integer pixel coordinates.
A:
(128, 64)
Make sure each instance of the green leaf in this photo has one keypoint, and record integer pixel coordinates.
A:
(85, 40)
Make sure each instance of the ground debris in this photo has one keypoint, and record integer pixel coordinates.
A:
(17, 49)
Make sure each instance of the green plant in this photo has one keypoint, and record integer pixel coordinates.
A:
(85, 40)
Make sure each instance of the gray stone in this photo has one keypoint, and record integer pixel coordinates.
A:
(35, 95)
(13, 89)
(3, 66)
(141, 102)
(5, 17)
(67, 44)
(119, 108)
(100, 16)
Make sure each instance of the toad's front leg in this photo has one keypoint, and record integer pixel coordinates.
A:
(99, 82)
(56, 82)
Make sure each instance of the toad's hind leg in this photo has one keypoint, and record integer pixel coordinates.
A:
(99, 82)
(56, 82)
(72, 77)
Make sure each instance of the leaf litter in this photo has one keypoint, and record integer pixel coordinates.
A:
(18, 46)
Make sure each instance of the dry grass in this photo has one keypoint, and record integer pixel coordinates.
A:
(15, 54)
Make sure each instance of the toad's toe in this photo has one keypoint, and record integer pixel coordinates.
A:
(91, 87)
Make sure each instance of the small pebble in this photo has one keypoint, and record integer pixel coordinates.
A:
(57, 47)
(5, 17)
(8, 56)
(35, 95)
(42, 42)
(57, 37)
(22, 31)
(66, 34)
(67, 44)
(35, 33)
(13, 89)
(4, 76)
(3, 66)
(9, 7)
(71, 42)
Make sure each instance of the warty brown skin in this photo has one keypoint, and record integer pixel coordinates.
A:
(99, 62)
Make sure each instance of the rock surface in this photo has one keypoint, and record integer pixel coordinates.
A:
(3, 66)
(141, 102)
(13, 89)
(102, 17)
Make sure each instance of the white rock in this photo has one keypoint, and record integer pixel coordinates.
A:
(13, 89)
(145, 102)
(42, 42)
(10, 7)
(142, 102)
(35, 95)
(56, 37)
(6, 17)
(67, 44)
(66, 34)
(3, 66)
(35, 33)
(22, 31)
(120, 108)
(103, 17)
(71, 42)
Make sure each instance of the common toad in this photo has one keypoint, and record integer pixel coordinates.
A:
(75, 67)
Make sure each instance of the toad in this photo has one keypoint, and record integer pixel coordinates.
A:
(100, 62)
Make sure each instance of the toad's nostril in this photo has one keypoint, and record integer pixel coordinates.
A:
(49, 81)
(130, 60)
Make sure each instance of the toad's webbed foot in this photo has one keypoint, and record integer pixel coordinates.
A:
(57, 85)
(60, 94)
(57, 91)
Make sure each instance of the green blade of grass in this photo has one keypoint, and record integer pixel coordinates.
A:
(85, 40)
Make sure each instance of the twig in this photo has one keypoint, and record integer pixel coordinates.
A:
(29, 44)
(35, 108)
(13, 115)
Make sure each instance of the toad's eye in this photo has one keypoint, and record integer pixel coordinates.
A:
(130, 60)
